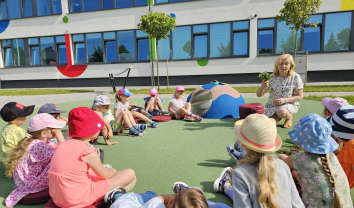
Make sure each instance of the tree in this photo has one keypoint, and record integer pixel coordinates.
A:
(97, 55)
(123, 49)
(343, 38)
(296, 14)
(187, 47)
(224, 51)
(288, 45)
(332, 44)
(157, 25)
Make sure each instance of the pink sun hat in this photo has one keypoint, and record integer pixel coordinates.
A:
(44, 120)
(153, 91)
(180, 88)
(333, 104)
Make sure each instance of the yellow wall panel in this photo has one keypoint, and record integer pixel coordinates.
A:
(347, 5)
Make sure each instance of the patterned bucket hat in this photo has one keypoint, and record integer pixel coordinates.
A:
(313, 134)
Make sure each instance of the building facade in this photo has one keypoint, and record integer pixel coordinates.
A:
(78, 43)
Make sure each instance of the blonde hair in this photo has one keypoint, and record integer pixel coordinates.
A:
(266, 177)
(18, 151)
(279, 60)
(118, 98)
(326, 112)
(191, 198)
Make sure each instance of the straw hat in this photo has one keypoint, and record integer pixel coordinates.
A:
(258, 133)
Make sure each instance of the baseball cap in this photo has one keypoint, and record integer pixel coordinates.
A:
(12, 110)
(44, 120)
(102, 100)
(333, 104)
(49, 108)
(124, 91)
(83, 121)
(153, 91)
(179, 88)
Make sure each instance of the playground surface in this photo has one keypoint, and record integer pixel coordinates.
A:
(191, 152)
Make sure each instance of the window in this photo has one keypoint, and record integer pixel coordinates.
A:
(14, 9)
(56, 6)
(337, 31)
(61, 48)
(220, 40)
(3, 10)
(124, 3)
(75, 5)
(27, 8)
(33, 44)
(79, 48)
(143, 46)
(90, 5)
(107, 4)
(110, 45)
(18, 52)
(94, 47)
(94, 5)
(170, 1)
(164, 48)
(240, 38)
(126, 46)
(286, 38)
(265, 35)
(200, 41)
(312, 35)
(7, 52)
(182, 43)
(48, 56)
(43, 7)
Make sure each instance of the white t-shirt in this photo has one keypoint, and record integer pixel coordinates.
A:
(122, 107)
(178, 104)
(130, 200)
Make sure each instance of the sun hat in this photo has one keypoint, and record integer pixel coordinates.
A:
(102, 100)
(12, 110)
(153, 91)
(49, 108)
(313, 134)
(342, 122)
(124, 91)
(179, 88)
(258, 133)
(83, 122)
(333, 104)
(44, 120)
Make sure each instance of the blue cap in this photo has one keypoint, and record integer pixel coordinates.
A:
(124, 91)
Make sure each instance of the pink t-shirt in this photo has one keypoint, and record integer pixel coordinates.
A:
(72, 183)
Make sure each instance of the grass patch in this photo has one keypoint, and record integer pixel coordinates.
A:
(253, 89)
(349, 98)
(41, 92)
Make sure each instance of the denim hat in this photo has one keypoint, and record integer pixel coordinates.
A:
(342, 123)
(313, 134)
(124, 91)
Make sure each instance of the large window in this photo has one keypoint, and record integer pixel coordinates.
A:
(240, 38)
(337, 31)
(266, 35)
(220, 40)
(181, 43)
(143, 46)
(94, 47)
(15, 9)
(126, 46)
(170, 1)
(47, 51)
(94, 5)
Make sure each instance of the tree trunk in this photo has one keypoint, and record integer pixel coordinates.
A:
(157, 64)
(295, 45)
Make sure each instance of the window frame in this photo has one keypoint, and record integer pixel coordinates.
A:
(100, 6)
(192, 42)
(104, 41)
(170, 2)
(240, 31)
(136, 39)
(274, 28)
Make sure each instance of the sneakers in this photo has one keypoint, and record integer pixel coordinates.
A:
(230, 151)
(198, 118)
(135, 132)
(154, 124)
(188, 118)
(149, 116)
(179, 186)
(164, 112)
(142, 128)
(238, 147)
(219, 183)
(110, 195)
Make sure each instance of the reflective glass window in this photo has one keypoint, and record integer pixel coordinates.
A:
(43, 7)
(80, 53)
(27, 8)
(312, 39)
(140, 2)
(94, 47)
(124, 3)
(6, 43)
(60, 39)
(181, 43)
(265, 23)
(107, 4)
(75, 5)
(78, 37)
(241, 25)
(111, 51)
(220, 40)
(56, 6)
(317, 18)
(164, 48)
(8, 61)
(19, 52)
(240, 43)
(126, 46)
(47, 51)
(161, 1)
(32, 41)
(173, 1)
(62, 54)
(14, 9)
(109, 35)
(200, 46)
(35, 59)
(286, 38)
(90, 5)
(265, 41)
(141, 34)
(200, 28)
(143, 49)
(337, 31)
(3, 11)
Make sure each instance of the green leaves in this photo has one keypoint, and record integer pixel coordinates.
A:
(265, 76)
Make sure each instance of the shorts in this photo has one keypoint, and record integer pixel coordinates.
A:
(155, 112)
(115, 126)
(138, 109)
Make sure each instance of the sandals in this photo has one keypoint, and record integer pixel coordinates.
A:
(288, 123)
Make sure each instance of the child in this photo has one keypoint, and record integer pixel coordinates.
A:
(101, 105)
(30, 160)
(77, 178)
(331, 105)
(342, 124)
(15, 114)
(122, 113)
(53, 110)
(322, 179)
(261, 180)
(154, 103)
(179, 106)
(187, 198)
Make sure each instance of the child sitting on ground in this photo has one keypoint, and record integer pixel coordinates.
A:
(180, 108)
(342, 124)
(53, 110)
(101, 105)
(77, 177)
(331, 105)
(322, 179)
(15, 114)
(153, 104)
(29, 162)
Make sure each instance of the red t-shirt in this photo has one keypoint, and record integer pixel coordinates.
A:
(346, 159)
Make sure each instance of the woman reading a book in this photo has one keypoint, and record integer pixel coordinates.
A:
(286, 89)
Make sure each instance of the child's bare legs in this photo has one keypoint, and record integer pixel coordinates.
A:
(275, 117)
(141, 116)
(158, 105)
(151, 104)
(123, 116)
(121, 178)
(187, 111)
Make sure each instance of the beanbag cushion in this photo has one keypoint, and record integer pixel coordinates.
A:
(99, 204)
(35, 198)
(161, 118)
(250, 108)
